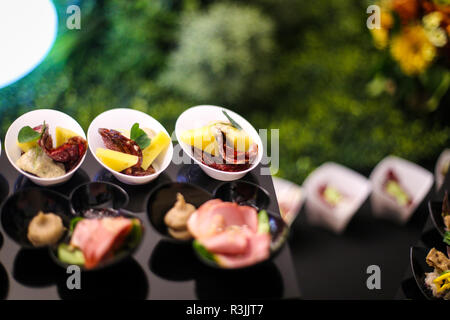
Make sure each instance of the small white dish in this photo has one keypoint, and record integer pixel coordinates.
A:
(415, 180)
(123, 119)
(35, 118)
(290, 197)
(444, 159)
(353, 186)
(200, 116)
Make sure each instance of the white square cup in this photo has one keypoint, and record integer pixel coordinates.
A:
(289, 195)
(443, 159)
(416, 181)
(350, 183)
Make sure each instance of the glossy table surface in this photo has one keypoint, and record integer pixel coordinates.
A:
(158, 270)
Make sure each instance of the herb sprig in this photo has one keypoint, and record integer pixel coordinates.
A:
(139, 136)
(233, 123)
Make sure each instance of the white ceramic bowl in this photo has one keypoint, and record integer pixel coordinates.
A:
(199, 116)
(351, 184)
(443, 158)
(414, 179)
(34, 118)
(123, 119)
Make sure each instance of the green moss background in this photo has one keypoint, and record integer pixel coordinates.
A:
(300, 66)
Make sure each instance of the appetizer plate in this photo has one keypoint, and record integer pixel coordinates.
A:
(123, 119)
(443, 160)
(163, 198)
(415, 180)
(435, 210)
(93, 195)
(279, 232)
(34, 118)
(419, 267)
(199, 116)
(353, 186)
(243, 193)
(20, 208)
(119, 256)
(290, 197)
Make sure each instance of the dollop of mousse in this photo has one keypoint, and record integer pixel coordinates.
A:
(45, 229)
(177, 217)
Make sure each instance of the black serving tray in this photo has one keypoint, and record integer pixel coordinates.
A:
(159, 269)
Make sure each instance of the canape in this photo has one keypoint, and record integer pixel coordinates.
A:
(399, 186)
(334, 194)
(133, 146)
(221, 142)
(46, 146)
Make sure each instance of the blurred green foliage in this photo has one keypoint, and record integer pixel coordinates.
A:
(300, 66)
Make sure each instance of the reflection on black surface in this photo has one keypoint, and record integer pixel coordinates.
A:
(243, 193)
(137, 193)
(126, 280)
(79, 177)
(411, 291)
(34, 268)
(175, 262)
(433, 239)
(4, 188)
(4, 283)
(260, 282)
(178, 263)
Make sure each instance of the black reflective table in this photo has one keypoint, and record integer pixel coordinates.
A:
(158, 270)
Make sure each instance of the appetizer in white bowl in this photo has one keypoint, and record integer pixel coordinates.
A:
(334, 194)
(221, 142)
(399, 186)
(47, 146)
(132, 145)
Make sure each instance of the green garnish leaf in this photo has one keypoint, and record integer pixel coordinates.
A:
(139, 136)
(27, 134)
(135, 234)
(74, 222)
(447, 237)
(263, 222)
(233, 123)
(70, 255)
(203, 252)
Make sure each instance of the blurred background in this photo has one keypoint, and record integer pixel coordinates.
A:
(336, 90)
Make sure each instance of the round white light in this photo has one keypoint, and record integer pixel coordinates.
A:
(27, 31)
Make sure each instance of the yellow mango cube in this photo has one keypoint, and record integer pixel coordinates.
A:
(201, 138)
(117, 161)
(157, 145)
(27, 145)
(63, 135)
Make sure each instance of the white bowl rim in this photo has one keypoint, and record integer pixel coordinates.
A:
(230, 173)
(36, 178)
(126, 176)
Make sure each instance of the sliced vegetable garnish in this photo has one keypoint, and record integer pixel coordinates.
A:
(74, 222)
(447, 237)
(139, 136)
(27, 134)
(70, 255)
(203, 252)
(135, 235)
(233, 123)
(263, 222)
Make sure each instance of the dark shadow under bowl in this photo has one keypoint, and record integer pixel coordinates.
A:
(243, 193)
(20, 208)
(163, 198)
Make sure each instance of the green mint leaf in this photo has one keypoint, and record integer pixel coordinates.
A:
(233, 123)
(139, 136)
(27, 134)
(447, 238)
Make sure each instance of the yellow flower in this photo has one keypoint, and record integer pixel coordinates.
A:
(413, 50)
(380, 37)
